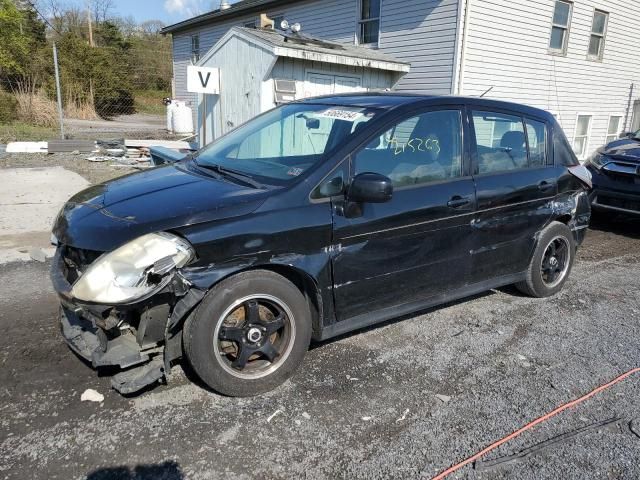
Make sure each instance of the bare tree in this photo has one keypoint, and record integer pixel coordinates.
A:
(102, 10)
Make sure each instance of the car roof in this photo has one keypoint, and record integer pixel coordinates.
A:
(392, 100)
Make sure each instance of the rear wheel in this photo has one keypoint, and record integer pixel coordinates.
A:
(551, 263)
(249, 335)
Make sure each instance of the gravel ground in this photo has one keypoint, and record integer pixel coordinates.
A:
(362, 406)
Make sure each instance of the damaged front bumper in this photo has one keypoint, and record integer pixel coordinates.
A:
(136, 342)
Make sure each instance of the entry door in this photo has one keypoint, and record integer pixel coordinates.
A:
(416, 245)
(514, 185)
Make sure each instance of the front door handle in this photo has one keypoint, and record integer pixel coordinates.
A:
(543, 186)
(457, 201)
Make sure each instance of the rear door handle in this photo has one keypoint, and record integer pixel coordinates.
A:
(457, 201)
(543, 186)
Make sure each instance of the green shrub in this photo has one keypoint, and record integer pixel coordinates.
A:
(111, 102)
(8, 107)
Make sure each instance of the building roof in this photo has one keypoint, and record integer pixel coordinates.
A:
(239, 8)
(304, 47)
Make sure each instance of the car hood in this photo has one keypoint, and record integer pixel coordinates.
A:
(627, 150)
(105, 216)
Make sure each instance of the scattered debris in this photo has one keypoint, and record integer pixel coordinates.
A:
(27, 147)
(487, 464)
(38, 255)
(306, 415)
(634, 426)
(521, 357)
(366, 419)
(353, 379)
(273, 415)
(443, 398)
(404, 416)
(90, 395)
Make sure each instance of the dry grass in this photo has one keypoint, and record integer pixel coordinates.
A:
(36, 108)
(81, 111)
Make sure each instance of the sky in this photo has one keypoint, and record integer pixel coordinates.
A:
(169, 11)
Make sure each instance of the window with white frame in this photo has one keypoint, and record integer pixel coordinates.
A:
(195, 48)
(615, 126)
(560, 26)
(598, 33)
(581, 137)
(369, 23)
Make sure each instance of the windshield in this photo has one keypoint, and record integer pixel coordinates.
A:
(284, 143)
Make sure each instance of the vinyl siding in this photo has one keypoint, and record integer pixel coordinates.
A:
(507, 49)
(424, 34)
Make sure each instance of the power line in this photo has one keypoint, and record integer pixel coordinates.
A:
(46, 20)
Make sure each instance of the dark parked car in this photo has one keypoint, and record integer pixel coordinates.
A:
(616, 176)
(312, 220)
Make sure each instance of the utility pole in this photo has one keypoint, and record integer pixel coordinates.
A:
(90, 28)
(58, 91)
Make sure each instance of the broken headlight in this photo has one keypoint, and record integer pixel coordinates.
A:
(133, 271)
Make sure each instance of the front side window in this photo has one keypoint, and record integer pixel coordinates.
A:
(422, 149)
(560, 26)
(615, 124)
(284, 143)
(598, 33)
(581, 138)
(501, 142)
(250, 24)
(195, 48)
(369, 24)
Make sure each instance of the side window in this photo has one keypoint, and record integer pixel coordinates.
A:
(501, 142)
(422, 149)
(537, 137)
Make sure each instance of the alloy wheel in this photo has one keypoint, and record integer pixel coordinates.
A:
(254, 336)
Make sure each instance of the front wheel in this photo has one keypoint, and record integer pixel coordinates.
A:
(551, 262)
(249, 334)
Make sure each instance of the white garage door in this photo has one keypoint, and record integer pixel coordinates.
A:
(326, 84)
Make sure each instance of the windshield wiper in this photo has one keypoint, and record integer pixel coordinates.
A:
(234, 174)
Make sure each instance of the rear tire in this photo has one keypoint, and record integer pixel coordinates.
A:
(249, 334)
(551, 263)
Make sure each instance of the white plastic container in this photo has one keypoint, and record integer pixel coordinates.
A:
(171, 106)
(182, 119)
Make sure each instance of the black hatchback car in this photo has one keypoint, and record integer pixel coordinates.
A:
(616, 176)
(314, 219)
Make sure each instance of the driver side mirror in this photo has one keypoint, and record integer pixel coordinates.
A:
(627, 135)
(370, 188)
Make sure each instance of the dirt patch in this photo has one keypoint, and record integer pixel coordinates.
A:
(94, 172)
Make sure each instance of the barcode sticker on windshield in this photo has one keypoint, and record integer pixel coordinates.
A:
(295, 171)
(347, 115)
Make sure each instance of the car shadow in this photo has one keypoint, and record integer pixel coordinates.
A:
(319, 344)
(616, 223)
(168, 470)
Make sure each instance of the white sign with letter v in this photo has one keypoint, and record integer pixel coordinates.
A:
(203, 80)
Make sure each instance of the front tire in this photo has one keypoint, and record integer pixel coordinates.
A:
(551, 263)
(249, 334)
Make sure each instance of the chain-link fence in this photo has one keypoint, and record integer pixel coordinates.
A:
(112, 79)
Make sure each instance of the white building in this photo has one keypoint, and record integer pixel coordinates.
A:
(578, 59)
